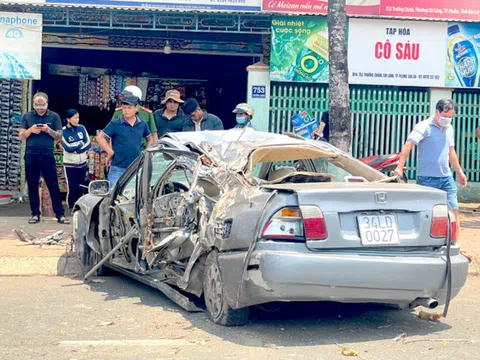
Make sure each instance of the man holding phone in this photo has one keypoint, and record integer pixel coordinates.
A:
(40, 127)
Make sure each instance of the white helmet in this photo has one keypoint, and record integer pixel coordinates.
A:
(135, 90)
(244, 108)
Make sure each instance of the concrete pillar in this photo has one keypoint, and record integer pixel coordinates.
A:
(438, 94)
(258, 94)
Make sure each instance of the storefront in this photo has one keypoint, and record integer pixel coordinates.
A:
(89, 54)
(403, 57)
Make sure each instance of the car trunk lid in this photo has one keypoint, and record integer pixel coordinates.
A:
(370, 215)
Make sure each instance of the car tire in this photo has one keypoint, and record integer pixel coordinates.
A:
(215, 298)
(85, 255)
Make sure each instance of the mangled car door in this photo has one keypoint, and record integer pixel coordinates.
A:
(122, 213)
(166, 176)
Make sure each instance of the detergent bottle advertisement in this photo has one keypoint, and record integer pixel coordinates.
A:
(463, 55)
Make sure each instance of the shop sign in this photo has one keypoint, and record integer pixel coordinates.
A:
(20, 45)
(463, 55)
(239, 5)
(423, 9)
(299, 49)
(354, 7)
(259, 91)
(392, 52)
(432, 9)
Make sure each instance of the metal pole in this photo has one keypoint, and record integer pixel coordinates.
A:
(122, 241)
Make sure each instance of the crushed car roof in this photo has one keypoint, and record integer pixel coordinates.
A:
(234, 146)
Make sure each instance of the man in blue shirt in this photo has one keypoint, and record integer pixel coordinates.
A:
(126, 134)
(436, 152)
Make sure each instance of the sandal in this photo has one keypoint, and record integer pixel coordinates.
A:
(63, 220)
(34, 219)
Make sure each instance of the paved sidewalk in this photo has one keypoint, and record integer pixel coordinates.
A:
(470, 234)
(19, 258)
(16, 258)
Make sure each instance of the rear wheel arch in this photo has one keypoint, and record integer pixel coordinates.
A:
(215, 295)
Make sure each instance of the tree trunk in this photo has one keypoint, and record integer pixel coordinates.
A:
(339, 103)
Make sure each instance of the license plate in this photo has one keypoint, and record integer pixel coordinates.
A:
(378, 230)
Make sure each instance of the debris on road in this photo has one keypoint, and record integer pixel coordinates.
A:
(106, 323)
(54, 239)
(429, 316)
(400, 337)
(346, 351)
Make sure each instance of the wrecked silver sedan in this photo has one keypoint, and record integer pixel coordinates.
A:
(245, 218)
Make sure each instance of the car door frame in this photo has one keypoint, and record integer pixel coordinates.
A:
(144, 197)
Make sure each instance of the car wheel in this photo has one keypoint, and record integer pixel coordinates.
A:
(85, 255)
(215, 298)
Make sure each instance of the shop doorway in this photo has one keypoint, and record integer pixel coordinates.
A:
(219, 82)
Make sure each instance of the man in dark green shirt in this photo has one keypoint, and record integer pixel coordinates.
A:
(143, 114)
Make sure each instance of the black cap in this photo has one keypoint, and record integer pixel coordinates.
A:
(129, 99)
(190, 106)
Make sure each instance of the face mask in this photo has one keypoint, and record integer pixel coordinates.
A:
(444, 121)
(241, 120)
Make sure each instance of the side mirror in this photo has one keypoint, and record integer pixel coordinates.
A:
(99, 187)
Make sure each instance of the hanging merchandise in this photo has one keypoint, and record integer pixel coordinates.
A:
(112, 88)
(83, 89)
(11, 108)
(97, 159)
(101, 90)
(142, 83)
(105, 104)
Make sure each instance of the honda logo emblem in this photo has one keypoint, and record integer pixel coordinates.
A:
(381, 197)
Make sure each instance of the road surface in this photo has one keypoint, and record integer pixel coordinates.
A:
(117, 318)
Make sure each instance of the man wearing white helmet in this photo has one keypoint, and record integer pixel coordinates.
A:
(244, 115)
(144, 114)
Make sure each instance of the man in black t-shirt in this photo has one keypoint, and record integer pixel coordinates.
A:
(40, 127)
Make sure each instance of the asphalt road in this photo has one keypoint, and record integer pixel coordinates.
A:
(117, 318)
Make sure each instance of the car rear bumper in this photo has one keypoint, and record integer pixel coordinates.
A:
(297, 274)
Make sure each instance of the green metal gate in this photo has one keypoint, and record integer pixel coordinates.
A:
(465, 123)
(382, 117)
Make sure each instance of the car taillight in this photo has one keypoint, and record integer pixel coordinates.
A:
(439, 226)
(293, 223)
(315, 226)
(453, 222)
(285, 224)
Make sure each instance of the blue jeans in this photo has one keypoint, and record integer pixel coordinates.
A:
(446, 184)
(114, 174)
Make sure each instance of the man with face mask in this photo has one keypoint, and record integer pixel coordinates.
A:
(243, 114)
(40, 128)
(436, 152)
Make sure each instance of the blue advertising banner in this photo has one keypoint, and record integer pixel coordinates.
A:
(20, 45)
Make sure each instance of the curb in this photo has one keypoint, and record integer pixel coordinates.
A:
(66, 264)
